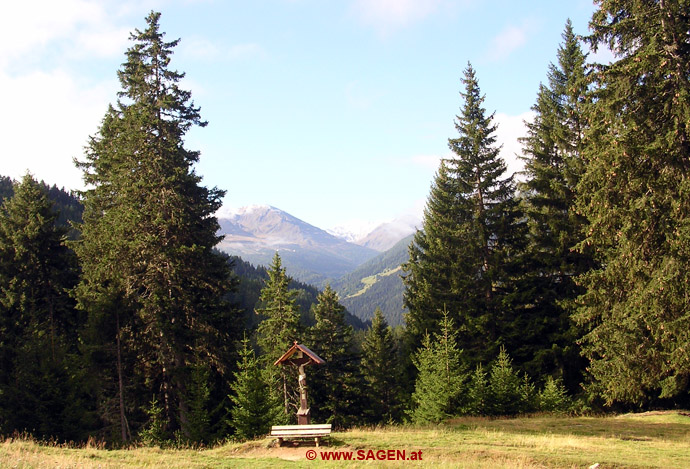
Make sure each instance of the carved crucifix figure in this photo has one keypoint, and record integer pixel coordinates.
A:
(299, 356)
(303, 414)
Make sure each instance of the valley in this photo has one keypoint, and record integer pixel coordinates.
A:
(365, 271)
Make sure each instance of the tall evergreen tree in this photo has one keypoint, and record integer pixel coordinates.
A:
(553, 166)
(149, 268)
(38, 367)
(279, 328)
(381, 372)
(431, 281)
(466, 255)
(335, 387)
(634, 193)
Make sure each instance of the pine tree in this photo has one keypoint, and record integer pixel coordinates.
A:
(465, 257)
(553, 166)
(440, 377)
(381, 372)
(278, 329)
(39, 368)
(634, 194)
(149, 232)
(335, 387)
(254, 410)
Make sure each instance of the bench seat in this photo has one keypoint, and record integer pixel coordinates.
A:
(300, 431)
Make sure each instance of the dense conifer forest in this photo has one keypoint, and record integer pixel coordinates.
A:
(564, 290)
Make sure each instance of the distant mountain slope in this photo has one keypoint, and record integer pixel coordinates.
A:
(376, 283)
(309, 253)
(253, 279)
(387, 235)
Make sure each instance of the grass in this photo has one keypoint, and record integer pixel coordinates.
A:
(369, 281)
(652, 439)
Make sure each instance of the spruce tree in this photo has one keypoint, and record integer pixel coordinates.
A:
(553, 166)
(149, 268)
(39, 366)
(254, 410)
(440, 376)
(430, 277)
(335, 387)
(505, 386)
(279, 326)
(465, 257)
(381, 372)
(634, 194)
(278, 330)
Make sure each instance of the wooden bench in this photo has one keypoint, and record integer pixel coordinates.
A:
(300, 431)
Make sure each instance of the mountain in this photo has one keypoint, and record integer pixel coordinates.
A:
(386, 235)
(376, 283)
(309, 254)
(251, 280)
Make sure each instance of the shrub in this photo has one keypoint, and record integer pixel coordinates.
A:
(553, 397)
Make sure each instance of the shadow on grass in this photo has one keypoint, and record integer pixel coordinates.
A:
(671, 425)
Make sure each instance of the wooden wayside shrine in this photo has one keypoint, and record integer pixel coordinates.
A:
(299, 356)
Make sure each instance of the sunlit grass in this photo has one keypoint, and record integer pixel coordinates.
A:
(654, 439)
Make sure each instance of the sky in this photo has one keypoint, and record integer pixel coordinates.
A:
(335, 111)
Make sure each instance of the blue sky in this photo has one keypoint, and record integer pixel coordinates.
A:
(334, 111)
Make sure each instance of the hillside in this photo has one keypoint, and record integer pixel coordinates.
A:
(376, 283)
(309, 253)
(252, 280)
(387, 235)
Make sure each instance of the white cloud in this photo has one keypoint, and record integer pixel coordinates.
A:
(508, 40)
(389, 15)
(78, 27)
(510, 129)
(47, 120)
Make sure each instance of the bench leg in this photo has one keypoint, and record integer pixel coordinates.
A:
(280, 442)
(317, 441)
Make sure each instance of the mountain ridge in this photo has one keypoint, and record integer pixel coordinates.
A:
(311, 254)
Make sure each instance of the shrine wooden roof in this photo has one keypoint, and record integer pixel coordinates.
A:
(296, 349)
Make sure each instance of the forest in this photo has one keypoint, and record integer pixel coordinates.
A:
(564, 290)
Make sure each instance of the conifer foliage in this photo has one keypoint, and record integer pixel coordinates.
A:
(336, 385)
(148, 232)
(278, 330)
(254, 410)
(635, 194)
(39, 374)
(553, 166)
(381, 371)
(440, 376)
(463, 260)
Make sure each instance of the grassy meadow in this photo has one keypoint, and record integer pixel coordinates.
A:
(651, 439)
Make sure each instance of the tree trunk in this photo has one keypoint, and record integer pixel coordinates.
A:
(123, 419)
